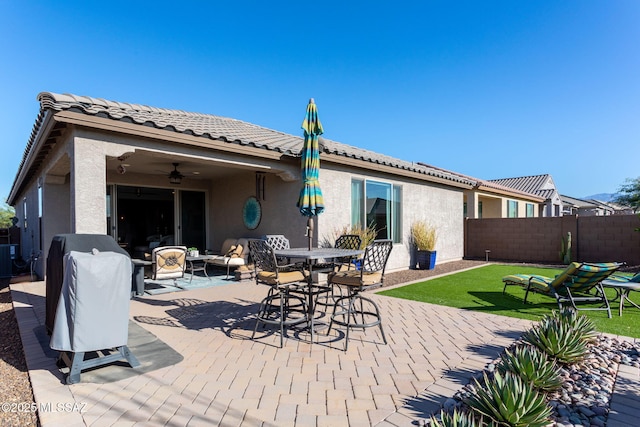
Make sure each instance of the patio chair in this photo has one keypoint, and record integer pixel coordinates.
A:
(354, 310)
(623, 285)
(578, 283)
(277, 308)
(168, 262)
(345, 241)
(278, 241)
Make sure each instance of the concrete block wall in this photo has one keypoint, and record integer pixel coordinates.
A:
(595, 239)
(612, 239)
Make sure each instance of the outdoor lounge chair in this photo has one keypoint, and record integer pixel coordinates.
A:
(578, 283)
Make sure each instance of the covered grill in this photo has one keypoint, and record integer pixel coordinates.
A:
(91, 318)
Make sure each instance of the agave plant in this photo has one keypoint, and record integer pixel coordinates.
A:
(509, 400)
(581, 324)
(459, 419)
(558, 340)
(533, 366)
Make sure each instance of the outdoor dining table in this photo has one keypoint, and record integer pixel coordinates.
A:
(311, 256)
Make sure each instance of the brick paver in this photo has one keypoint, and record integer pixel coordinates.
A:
(227, 379)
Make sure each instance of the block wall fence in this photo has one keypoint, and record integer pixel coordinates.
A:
(593, 238)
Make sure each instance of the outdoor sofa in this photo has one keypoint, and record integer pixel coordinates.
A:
(233, 254)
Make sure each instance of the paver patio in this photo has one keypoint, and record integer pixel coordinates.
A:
(227, 379)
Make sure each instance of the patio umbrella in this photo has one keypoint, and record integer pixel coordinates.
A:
(310, 201)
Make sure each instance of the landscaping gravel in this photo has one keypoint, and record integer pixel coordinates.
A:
(586, 391)
(16, 396)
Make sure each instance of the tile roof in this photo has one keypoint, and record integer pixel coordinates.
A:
(483, 184)
(529, 184)
(535, 184)
(568, 200)
(227, 130)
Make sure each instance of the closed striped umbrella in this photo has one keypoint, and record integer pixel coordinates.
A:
(310, 201)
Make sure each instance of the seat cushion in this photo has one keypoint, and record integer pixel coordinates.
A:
(538, 283)
(354, 278)
(235, 261)
(269, 277)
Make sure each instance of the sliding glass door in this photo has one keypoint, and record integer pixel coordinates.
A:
(192, 219)
(145, 214)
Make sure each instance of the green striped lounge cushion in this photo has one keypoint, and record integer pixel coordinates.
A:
(576, 275)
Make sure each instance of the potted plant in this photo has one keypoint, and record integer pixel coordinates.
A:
(193, 251)
(423, 238)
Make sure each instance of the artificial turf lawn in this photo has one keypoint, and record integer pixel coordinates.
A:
(480, 289)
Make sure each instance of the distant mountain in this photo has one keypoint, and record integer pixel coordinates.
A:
(603, 197)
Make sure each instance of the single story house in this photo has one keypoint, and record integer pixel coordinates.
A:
(133, 171)
(487, 199)
(539, 185)
(575, 206)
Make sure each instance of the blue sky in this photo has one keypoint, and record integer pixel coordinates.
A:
(491, 89)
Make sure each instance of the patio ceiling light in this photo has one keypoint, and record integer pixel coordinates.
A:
(175, 177)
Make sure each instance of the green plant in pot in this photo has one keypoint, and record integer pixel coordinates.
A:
(424, 238)
(193, 251)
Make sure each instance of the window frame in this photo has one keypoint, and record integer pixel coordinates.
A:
(530, 208)
(393, 204)
(512, 209)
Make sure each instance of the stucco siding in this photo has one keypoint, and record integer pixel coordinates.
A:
(88, 186)
(279, 212)
(436, 204)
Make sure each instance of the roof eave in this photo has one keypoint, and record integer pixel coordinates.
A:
(394, 170)
(107, 124)
(505, 192)
(44, 124)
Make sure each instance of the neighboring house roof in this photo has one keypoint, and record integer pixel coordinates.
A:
(540, 185)
(615, 206)
(577, 203)
(484, 185)
(208, 126)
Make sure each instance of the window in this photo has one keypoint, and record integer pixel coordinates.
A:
(24, 212)
(40, 208)
(377, 204)
(530, 208)
(478, 213)
(512, 209)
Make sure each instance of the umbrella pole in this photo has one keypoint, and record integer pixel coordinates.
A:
(310, 231)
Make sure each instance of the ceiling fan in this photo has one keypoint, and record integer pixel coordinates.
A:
(175, 177)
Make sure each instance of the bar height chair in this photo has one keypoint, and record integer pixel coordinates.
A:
(277, 308)
(345, 241)
(355, 310)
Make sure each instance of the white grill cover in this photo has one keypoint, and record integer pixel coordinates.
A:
(93, 309)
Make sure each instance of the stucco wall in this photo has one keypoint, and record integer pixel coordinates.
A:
(441, 206)
(279, 212)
